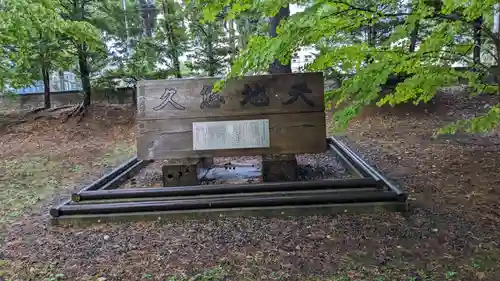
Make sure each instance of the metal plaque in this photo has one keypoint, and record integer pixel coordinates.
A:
(231, 134)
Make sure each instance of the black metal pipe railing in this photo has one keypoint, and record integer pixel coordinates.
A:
(337, 198)
(369, 168)
(105, 180)
(225, 189)
(98, 184)
(125, 175)
(353, 160)
(228, 195)
(352, 167)
(102, 197)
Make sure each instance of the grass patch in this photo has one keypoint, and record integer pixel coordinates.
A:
(26, 181)
(31, 178)
(120, 152)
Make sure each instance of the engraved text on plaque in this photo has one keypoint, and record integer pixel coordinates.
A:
(231, 134)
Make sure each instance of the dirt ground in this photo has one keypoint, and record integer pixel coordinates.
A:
(40, 157)
(450, 233)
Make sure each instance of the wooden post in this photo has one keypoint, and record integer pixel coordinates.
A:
(279, 167)
(183, 172)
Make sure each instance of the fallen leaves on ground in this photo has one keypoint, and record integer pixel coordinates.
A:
(451, 232)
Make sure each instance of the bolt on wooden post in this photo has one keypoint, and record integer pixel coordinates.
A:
(182, 122)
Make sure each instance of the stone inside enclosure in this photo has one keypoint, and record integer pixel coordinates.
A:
(281, 167)
(321, 166)
(243, 170)
(232, 171)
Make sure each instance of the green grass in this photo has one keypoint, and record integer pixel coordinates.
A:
(27, 180)
(120, 152)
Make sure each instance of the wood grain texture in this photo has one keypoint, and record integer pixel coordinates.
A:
(292, 102)
(291, 133)
(263, 94)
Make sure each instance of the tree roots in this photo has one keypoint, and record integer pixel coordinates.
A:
(78, 111)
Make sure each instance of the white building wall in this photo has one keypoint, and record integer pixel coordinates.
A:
(302, 58)
(68, 81)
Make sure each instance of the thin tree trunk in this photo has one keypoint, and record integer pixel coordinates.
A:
(172, 40)
(496, 19)
(84, 75)
(134, 96)
(477, 41)
(414, 37)
(496, 40)
(61, 81)
(277, 66)
(46, 86)
(243, 28)
(83, 57)
(371, 34)
(210, 52)
(232, 40)
(148, 15)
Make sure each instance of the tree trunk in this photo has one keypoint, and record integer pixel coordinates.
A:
(496, 19)
(477, 40)
(232, 40)
(210, 52)
(496, 41)
(134, 96)
(242, 27)
(371, 35)
(79, 12)
(46, 86)
(172, 40)
(84, 74)
(148, 16)
(61, 81)
(278, 167)
(277, 66)
(414, 37)
(371, 38)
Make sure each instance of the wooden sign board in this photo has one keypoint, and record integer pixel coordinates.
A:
(255, 115)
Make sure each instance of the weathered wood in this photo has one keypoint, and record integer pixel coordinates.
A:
(179, 172)
(263, 94)
(206, 162)
(289, 134)
(255, 115)
(183, 172)
(279, 167)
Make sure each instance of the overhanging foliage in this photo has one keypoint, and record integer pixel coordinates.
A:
(330, 24)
